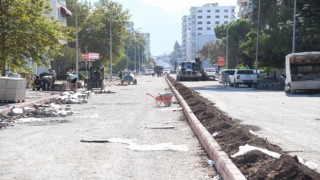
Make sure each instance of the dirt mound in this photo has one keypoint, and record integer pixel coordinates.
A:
(230, 135)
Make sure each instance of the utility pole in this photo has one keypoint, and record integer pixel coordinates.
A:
(257, 42)
(77, 46)
(110, 49)
(294, 27)
(227, 44)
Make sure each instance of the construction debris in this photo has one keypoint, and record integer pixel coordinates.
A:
(55, 108)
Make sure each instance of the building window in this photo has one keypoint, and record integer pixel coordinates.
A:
(199, 11)
(232, 10)
(226, 16)
(226, 22)
(208, 11)
(208, 22)
(217, 17)
(208, 17)
(217, 10)
(208, 28)
(200, 17)
(226, 10)
(199, 22)
(217, 22)
(199, 28)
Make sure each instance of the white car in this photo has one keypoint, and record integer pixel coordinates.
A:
(149, 71)
(210, 72)
(166, 71)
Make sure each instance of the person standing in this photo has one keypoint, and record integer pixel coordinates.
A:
(225, 78)
(120, 75)
(54, 76)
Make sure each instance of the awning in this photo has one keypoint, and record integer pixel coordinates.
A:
(65, 11)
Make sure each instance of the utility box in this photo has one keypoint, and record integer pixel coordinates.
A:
(12, 89)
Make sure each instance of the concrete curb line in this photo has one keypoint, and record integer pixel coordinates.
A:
(30, 104)
(223, 163)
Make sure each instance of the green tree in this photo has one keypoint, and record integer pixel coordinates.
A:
(175, 54)
(237, 31)
(94, 34)
(26, 32)
(134, 46)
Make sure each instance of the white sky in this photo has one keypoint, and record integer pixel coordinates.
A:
(162, 19)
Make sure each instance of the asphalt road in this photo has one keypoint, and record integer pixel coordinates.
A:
(290, 121)
(129, 119)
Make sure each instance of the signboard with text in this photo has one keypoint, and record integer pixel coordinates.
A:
(221, 61)
(89, 56)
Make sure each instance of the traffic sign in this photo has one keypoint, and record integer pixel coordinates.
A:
(221, 61)
(90, 56)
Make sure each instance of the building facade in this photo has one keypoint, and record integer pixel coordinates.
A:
(245, 9)
(198, 27)
(59, 12)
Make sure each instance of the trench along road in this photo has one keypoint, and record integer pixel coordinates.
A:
(122, 135)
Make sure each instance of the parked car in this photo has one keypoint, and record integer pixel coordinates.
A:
(244, 76)
(149, 71)
(229, 71)
(210, 72)
(166, 71)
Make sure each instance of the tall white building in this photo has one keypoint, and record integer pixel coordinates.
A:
(147, 46)
(198, 27)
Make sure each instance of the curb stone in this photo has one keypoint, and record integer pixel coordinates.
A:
(226, 168)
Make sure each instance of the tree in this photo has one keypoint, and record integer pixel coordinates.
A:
(237, 31)
(94, 34)
(27, 33)
(175, 54)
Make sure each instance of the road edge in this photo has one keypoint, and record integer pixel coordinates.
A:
(226, 168)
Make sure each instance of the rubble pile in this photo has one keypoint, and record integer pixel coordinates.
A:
(74, 98)
(59, 107)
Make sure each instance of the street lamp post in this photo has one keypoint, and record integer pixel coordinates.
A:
(227, 44)
(110, 33)
(77, 45)
(257, 42)
(294, 27)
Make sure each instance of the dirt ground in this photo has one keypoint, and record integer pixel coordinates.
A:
(231, 135)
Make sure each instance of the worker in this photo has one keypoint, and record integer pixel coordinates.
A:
(72, 78)
(46, 82)
(54, 76)
(37, 83)
(225, 78)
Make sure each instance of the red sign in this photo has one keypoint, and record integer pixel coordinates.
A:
(90, 56)
(221, 61)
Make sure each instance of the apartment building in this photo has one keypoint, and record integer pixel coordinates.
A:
(59, 12)
(198, 27)
(245, 9)
(147, 46)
